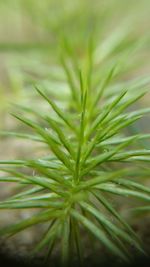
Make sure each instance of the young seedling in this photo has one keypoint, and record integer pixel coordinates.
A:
(88, 161)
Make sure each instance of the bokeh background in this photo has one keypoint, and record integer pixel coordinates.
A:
(31, 33)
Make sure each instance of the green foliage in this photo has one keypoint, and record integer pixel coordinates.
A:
(89, 159)
(81, 126)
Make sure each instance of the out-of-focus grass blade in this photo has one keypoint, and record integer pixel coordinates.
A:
(50, 234)
(132, 184)
(65, 242)
(36, 219)
(130, 154)
(98, 233)
(119, 140)
(109, 225)
(78, 241)
(21, 135)
(111, 188)
(109, 207)
(30, 204)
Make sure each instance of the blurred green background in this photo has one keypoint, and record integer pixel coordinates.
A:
(33, 36)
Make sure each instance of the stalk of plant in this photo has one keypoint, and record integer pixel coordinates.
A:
(88, 163)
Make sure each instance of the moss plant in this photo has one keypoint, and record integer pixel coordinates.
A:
(89, 161)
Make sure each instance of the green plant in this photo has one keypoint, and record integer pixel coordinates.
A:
(87, 161)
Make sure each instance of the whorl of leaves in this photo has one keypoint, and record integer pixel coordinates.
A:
(89, 160)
